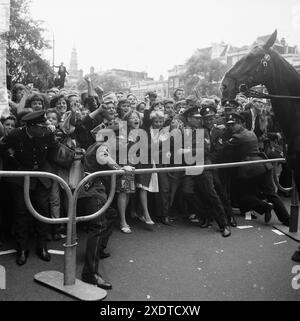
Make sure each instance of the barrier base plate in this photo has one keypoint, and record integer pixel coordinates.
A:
(285, 229)
(80, 290)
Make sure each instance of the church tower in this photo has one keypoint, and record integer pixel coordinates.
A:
(74, 73)
(73, 63)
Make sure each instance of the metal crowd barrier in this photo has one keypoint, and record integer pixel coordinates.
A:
(66, 282)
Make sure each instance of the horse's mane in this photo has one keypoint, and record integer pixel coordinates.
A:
(285, 81)
(283, 64)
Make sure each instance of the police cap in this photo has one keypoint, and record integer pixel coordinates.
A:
(208, 111)
(193, 111)
(235, 118)
(34, 118)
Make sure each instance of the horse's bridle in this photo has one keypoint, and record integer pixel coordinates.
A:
(244, 88)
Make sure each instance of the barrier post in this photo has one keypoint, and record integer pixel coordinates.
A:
(64, 282)
(70, 245)
(293, 229)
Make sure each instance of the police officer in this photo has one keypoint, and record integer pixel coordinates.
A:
(229, 107)
(256, 189)
(215, 136)
(30, 148)
(203, 184)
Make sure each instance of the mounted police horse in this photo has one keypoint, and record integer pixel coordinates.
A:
(264, 66)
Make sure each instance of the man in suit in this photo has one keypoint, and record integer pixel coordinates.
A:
(62, 72)
(29, 148)
(256, 188)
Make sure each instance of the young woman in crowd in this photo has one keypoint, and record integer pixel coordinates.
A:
(133, 101)
(61, 104)
(141, 107)
(53, 119)
(134, 122)
(123, 108)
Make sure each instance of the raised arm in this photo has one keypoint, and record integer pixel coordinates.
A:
(89, 85)
(21, 105)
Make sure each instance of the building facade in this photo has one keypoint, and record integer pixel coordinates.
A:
(175, 78)
(128, 78)
(290, 53)
(142, 87)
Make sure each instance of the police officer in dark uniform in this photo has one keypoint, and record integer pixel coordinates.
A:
(229, 107)
(29, 149)
(226, 174)
(215, 136)
(203, 184)
(256, 189)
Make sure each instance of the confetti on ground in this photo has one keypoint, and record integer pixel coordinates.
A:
(199, 269)
(277, 232)
(280, 242)
(222, 251)
(7, 252)
(217, 252)
(131, 261)
(244, 227)
(249, 262)
(56, 252)
(148, 297)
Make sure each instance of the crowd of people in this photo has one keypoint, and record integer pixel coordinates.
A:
(65, 133)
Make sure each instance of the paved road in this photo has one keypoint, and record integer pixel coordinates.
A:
(183, 262)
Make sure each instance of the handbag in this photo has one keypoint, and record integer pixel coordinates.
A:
(76, 173)
(63, 156)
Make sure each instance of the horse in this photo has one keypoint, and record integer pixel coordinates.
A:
(265, 66)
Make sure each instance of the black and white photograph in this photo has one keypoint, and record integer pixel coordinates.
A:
(149, 155)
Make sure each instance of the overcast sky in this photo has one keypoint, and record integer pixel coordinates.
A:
(154, 35)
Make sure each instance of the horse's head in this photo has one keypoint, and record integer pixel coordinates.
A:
(252, 70)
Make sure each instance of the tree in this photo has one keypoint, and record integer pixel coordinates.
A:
(203, 75)
(25, 45)
(106, 81)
